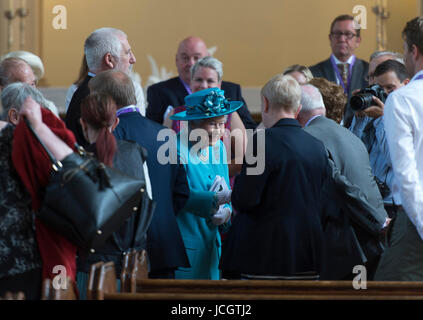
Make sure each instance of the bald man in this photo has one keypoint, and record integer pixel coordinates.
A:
(173, 91)
(15, 70)
(18, 70)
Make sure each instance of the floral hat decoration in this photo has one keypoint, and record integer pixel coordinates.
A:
(208, 103)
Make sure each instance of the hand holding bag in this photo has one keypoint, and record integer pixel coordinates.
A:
(85, 200)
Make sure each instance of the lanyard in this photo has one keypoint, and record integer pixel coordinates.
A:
(127, 110)
(419, 77)
(187, 88)
(338, 74)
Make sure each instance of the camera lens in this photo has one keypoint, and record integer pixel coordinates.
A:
(360, 102)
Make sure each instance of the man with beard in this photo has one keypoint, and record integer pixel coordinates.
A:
(105, 49)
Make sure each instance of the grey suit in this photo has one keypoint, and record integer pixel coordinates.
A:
(360, 69)
(356, 208)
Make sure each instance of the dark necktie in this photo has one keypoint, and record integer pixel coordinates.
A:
(343, 69)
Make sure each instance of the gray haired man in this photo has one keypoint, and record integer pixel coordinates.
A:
(105, 49)
(12, 98)
(356, 213)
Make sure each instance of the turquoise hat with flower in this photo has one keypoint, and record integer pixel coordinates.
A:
(208, 103)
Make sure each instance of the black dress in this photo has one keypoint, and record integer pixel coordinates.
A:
(20, 261)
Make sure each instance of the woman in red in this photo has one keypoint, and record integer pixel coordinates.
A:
(34, 168)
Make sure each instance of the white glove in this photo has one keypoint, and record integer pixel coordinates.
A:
(219, 184)
(223, 197)
(221, 216)
(223, 185)
(215, 184)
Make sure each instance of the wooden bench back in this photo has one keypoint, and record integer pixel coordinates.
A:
(67, 292)
(170, 289)
(102, 280)
(135, 266)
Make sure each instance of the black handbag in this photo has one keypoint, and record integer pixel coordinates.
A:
(85, 200)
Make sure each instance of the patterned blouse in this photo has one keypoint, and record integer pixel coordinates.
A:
(18, 247)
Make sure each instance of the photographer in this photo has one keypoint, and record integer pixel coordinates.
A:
(369, 104)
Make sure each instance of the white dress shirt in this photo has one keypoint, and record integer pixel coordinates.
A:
(403, 120)
(337, 61)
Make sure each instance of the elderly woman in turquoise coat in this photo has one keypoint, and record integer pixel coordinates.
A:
(203, 154)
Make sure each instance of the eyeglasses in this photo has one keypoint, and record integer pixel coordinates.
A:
(369, 77)
(338, 34)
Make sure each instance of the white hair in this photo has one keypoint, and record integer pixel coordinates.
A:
(208, 62)
(199, 122)
(101, 42)
(396, 56)
(311, 98)
(33, 60)
(283, 91)
(15, 94)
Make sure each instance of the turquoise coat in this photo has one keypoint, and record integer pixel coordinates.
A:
(201, 238)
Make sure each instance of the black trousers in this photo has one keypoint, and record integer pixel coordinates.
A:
(403, 256)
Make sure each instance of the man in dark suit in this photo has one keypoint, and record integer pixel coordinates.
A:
(169, 183)
(173, 91)
(105, 48)
(343, 67)
(356, 211)
(278, 232)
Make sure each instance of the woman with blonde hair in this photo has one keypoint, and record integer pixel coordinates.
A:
(300, 73)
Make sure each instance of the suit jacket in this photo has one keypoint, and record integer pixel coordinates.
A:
(278, 229)
(355, 210)
(360, 69)
(74, 112)
(172, 93)
(170, 192)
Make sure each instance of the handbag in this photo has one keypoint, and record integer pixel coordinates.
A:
(85, 200)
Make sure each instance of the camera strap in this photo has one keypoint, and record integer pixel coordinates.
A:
(369, 135)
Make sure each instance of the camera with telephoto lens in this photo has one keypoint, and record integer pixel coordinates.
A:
(364, 98)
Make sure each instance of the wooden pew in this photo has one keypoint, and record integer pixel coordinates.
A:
(102, 277)
(102, 280)
(282, 289)
(135, 266)
(50, 293)
(158, 289)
